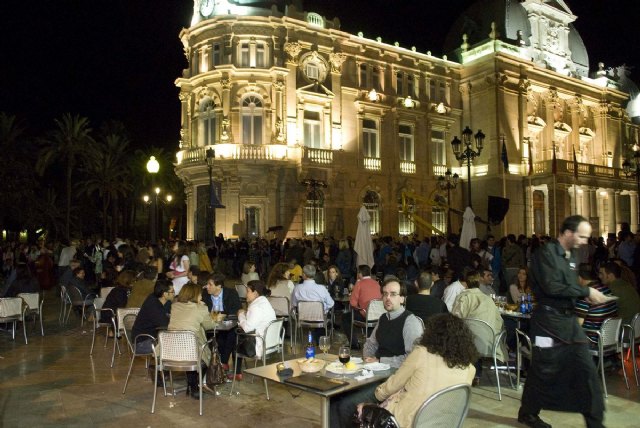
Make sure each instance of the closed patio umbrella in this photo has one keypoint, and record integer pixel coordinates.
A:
(363, 245)
(468, 228)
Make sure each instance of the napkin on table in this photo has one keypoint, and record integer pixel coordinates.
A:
(365, 375)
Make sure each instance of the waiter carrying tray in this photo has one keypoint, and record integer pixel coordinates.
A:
(562, 376)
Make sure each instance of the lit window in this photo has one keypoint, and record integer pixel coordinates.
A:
(244, 55)
(207, 126)
(439, 219)
(370, 139)
(314, 213)
(405, 225)
(312, 134)
(371, 202)
(252, 120)
(405, 135)
(438, 148)
(261, 55)
(312, 71)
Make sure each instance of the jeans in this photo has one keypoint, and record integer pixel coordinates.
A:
(343, 406)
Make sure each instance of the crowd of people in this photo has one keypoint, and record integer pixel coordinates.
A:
(425, 285)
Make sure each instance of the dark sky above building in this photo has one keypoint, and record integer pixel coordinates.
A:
(118, 59)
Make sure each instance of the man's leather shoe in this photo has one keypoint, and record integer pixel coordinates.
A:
(532, 421)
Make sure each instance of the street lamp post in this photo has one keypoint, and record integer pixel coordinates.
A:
(448, 182)
(313, 184)
(213, 198)
(154, 211)
(153, 167)
(626, 167)
(468, 153)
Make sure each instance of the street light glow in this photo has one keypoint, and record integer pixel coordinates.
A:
(153, 166)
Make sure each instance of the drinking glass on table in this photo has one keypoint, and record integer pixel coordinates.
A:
(324, 343)
(344, 355)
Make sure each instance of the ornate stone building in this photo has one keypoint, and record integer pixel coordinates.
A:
(308, 122)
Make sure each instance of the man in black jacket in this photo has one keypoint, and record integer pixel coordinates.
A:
(562, 376)
(226, 300)
(154, 314)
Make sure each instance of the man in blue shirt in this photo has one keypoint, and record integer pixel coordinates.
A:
(309, 291)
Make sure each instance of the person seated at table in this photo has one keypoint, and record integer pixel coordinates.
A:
(335, 282)
(591, 316)
(520, 287)
(423, 304)
(365, 290)
(391, 340)
(67, 275)
(444, 357)
(79, 282)
(279, 283)
(457, 286)
(154, 314)
(249, 272)
(118, 297)
(226, 300)
(295, 271)
(473, 303)
(610, 274)
(487, 285)
(441, 277)
(309, 291)
(142, 286)
(189, 313)
(256, 318)
(193, 273)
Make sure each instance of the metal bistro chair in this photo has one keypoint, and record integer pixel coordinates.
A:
(522, 340)
(118, 328)
(178, 351)
(272, 342)
(77, 301)
(446, 408)
(33, 307)
(609, 343)
(128, 321)
(65, 302)
(310, 314)
(108, 325)
(633, 340)
(10, 313)
(282, 308)
(487, 342)
(104, 291)
(375, 309)
(242, 293)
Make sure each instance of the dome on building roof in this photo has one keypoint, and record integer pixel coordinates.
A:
(513, 24)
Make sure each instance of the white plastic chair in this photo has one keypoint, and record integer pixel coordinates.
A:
(373, 312)
(65, 302)
(104, 291)
(487, 343)
(33, 307)
(76, 300)
(177, 350)
(11, 313)
(310, 314)
(446, 408)
(97, 323)
(272, 342)
(127, 323)
(609, 343)
(633, 340)
(118, 328)
(242, 292)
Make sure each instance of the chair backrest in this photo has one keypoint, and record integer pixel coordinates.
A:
(123, 312)
(375, 309)
(32, 300)
(104, 291)
(178, 345)
(610, 331)
(98, 302)
(75, 295)
(635, 326)
(273, 336)
(242, 290)
(525, 341)
(10, 306)
(446, 408)
(127, 326)
(280, 305)
(310, 311)
(64, 294)
(483, 336)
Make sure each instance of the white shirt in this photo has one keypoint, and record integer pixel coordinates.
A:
(451, 292)
(66, 254)
(258, 316)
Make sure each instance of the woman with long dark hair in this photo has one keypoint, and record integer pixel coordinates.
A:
(179, 266)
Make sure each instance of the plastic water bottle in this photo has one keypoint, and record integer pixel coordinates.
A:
(310, 351)
(523, 304)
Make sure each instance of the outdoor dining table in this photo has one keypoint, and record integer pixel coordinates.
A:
(270, 372)
(225, 325)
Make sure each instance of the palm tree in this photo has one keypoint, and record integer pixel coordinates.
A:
(108, 174)
(69, 142)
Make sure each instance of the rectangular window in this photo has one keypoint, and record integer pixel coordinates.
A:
(410, 91)
(261, 55)
(438, 148)
(216, 54)
(370, 139)
(405, 135)
(442, 93)
(244, 55)
(312, 129)
(405, 225)
(312, 71)
(313, 218)
(375, 76)
(363, 76)
(432, 91)
(209, 131)
(399, 83)
(439, 219)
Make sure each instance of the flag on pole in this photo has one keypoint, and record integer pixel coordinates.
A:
(554, 166)
(575, 164)
(530, 158)
(505, 159)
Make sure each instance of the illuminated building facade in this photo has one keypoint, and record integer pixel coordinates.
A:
(309, 122)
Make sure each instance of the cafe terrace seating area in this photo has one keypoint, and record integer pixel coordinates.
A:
(52, 381)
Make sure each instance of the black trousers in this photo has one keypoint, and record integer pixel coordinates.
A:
(564, 378)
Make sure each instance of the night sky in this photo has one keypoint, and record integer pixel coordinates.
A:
(118, 59)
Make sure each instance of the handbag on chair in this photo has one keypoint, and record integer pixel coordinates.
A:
(374, 416)
(215, 372)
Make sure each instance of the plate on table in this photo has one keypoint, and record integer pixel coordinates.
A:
(377, 366)
(356, 360)
(337, 368)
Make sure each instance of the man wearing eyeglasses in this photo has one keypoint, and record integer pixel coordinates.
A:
(391, 340)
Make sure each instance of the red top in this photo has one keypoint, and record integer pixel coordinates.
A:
(364, 291)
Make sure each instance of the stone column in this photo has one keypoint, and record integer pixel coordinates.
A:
(611, 217)
(633, 205)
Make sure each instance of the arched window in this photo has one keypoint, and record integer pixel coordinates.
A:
(252, 120)
(371, 202)
(207, 123)
(314, 213)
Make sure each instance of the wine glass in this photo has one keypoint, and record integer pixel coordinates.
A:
(324, 344)
(344, 355)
